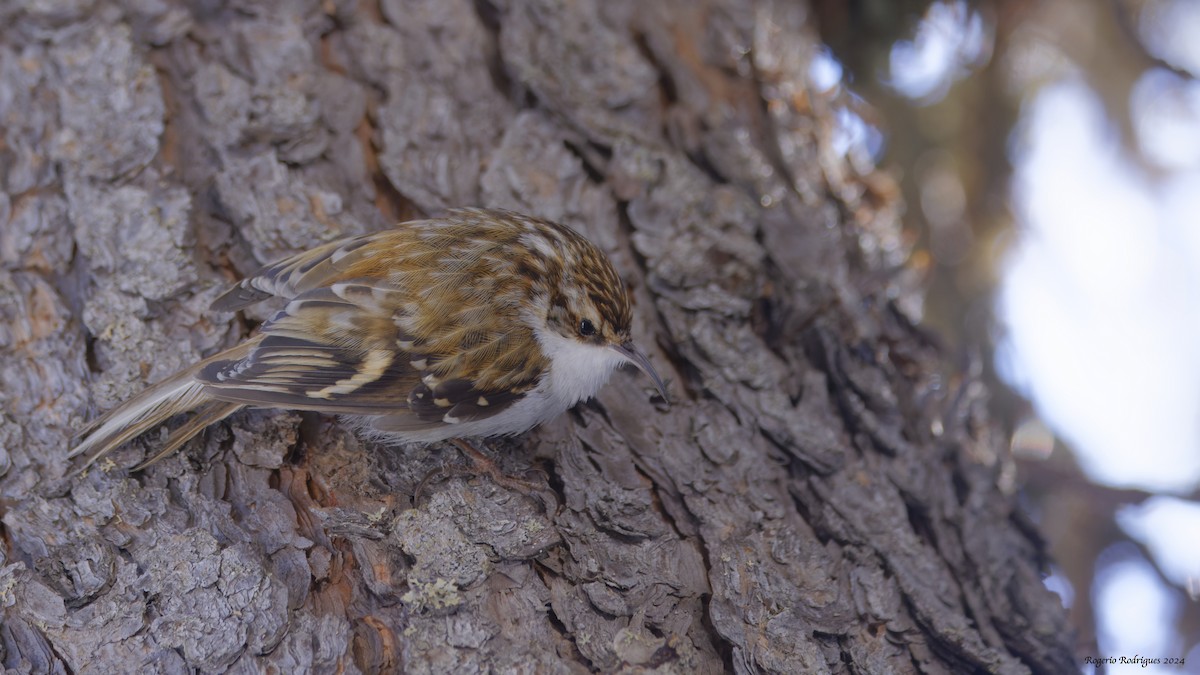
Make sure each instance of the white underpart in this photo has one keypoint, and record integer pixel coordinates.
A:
(577, 372)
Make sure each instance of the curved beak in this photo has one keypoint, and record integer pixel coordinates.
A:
(637, 358)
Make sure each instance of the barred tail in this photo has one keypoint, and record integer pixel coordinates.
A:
(175, 395)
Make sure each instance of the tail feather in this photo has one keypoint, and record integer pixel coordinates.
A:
(208, 413)
(175, 395)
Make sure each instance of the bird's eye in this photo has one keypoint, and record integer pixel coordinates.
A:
(587, 328)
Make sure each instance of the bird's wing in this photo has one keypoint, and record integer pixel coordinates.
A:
(342, 349)
(312, 269)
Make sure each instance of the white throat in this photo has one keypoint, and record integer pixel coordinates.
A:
(577, 370)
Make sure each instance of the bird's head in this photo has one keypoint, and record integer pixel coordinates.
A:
(591, 312)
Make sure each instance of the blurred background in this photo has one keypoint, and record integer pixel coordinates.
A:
(1049, 152)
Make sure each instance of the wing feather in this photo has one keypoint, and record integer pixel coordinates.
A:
(341, 349)
(420, 325)
(314, 268)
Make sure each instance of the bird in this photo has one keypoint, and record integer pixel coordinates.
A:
(474, 324)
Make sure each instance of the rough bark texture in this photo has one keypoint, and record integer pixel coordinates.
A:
(825, 494)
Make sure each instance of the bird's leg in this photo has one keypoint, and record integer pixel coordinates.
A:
(485, 465)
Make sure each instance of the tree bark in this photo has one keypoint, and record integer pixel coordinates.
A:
(824, 494)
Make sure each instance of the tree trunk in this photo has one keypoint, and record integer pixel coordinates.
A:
(824, 494)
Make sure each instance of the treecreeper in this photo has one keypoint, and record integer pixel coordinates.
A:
(476, 324)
